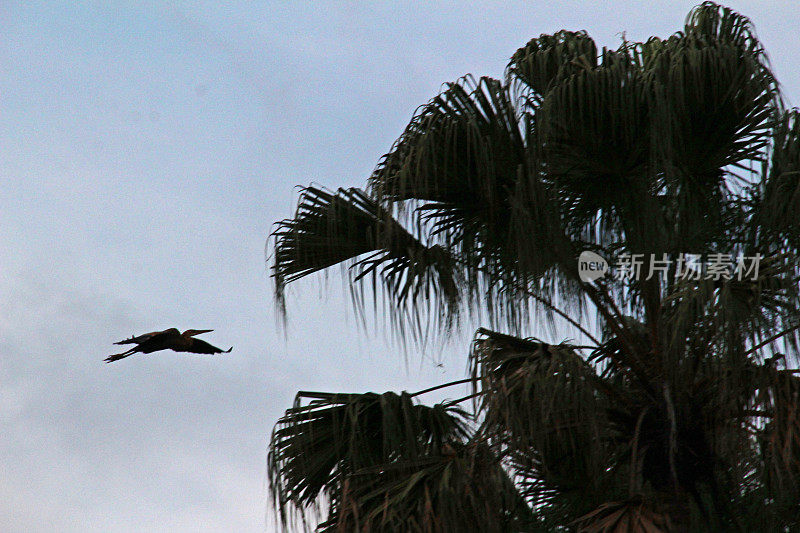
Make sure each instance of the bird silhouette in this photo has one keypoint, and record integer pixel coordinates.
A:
(169, 339)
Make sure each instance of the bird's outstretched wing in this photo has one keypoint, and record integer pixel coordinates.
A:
(201, 346)
(141, 338)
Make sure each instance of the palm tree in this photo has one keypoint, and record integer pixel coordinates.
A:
(666, 405)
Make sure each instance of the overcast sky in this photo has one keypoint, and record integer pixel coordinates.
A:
(145, 153)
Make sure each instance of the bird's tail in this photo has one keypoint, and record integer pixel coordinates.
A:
(118, 356)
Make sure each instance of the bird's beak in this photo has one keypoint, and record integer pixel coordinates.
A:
(199, 331)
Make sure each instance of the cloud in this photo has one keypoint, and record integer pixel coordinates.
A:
(112, 447)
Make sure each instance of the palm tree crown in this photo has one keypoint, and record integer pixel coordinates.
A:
(674, 410)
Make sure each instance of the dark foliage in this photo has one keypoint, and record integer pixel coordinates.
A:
(676, 408)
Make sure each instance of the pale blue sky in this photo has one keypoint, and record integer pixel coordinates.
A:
(144, 154)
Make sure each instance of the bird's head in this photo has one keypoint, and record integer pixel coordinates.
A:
(193, 332)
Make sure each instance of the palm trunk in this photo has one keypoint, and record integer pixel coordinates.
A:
(678, 510)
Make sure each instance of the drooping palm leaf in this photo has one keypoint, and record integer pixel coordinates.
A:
(541, 404)
(714, 100)
(465, 145)
(776, 406)
(460, 157)
(630, 516)
(465, 165)
(550, 59)
(595, 145)
(718, 89)
(711, 310)
(316, 448)
(330, 228)
(459, 488)
(777, 216)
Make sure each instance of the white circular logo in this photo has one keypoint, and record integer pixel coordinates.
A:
(591, 266)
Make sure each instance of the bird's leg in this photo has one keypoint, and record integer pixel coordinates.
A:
(118, 356)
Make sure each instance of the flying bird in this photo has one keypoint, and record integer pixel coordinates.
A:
(169, 339)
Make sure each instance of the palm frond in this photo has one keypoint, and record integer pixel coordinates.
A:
(540, 403)
(778, 398)
(316, 448)
(718, 105)
(714, 99)
(460, 159)
(330, 228)
(725, 316)
(459, 488)
(463, 147)
(712, 22)
(777, 212)
(463, 163)
(593, 130)
(548, 60)
(630, 516)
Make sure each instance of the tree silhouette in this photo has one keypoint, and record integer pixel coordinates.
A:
(673, 410)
